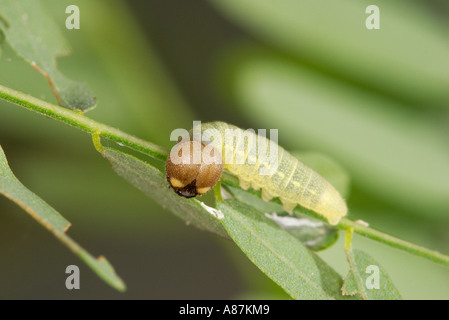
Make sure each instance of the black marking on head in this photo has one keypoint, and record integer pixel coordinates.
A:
(188, 191)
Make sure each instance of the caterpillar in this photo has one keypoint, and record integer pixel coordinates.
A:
(286, 178)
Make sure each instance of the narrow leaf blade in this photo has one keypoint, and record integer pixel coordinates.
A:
(13, 189)
(37, 39)
(315, 235)
(153, 183)
(301, 273)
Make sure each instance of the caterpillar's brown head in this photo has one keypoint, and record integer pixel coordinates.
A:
(193, 168)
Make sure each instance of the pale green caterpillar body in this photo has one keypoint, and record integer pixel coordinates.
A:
(292, 182)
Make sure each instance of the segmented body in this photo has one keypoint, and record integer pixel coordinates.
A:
(292, 182)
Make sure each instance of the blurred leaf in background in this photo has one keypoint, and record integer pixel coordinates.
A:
(40, 44)
(404, 58)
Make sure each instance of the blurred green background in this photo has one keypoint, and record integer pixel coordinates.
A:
(374, 100)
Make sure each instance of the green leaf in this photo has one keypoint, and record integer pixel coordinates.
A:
(332, 36)
(393, 154)
(368, 278)
(350, 287)
(315, 235)
(37, 39)
(154, 184)
(300, 272)
(13, 189)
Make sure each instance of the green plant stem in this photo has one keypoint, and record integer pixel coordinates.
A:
(348, 238)
(78, 120)
(435, 256)
(217, 192)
